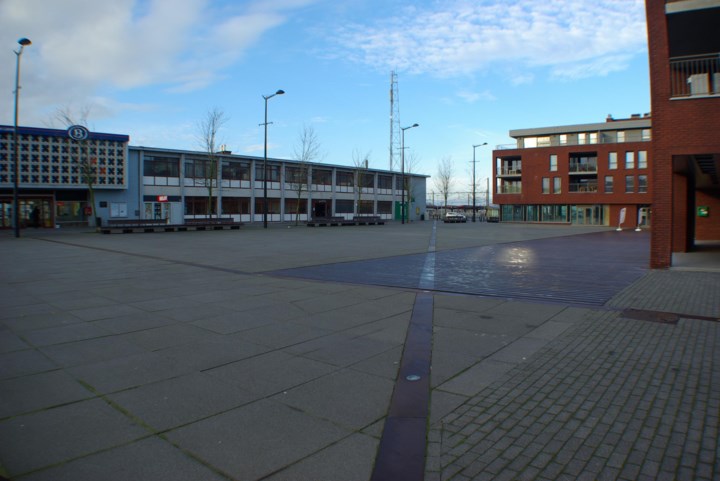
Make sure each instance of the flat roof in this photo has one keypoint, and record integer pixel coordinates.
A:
(626, 124)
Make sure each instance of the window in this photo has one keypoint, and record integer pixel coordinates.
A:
(642, 159)
(235, 170)
(235, 205)
(273, 206)
(583, 162)
(291, 206)
(344, 179)
(629, 183)
(385, 182)
(365, 206)
(322, 180)
(530, 142)
(161, 166)
(273, 172)
(546, 185)
(543, 141)
(557, 183)
(553, 163)
(563, 139)
(612, 160)
(646, 134)
(621, 136)
(198, 205)
(344, 206)
(593, 138)
(296, 175)
(582, 138)
(642, 183)
(629, 160)
(198, 169)
(608, 184)
(384, 207)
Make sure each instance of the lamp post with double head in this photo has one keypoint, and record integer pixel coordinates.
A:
(16, 167)
(473, 181)
(402, 170)
(265, 172)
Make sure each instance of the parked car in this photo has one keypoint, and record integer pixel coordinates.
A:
(493, 218)
(454, 217)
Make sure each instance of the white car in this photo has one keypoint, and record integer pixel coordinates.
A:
(454, 217)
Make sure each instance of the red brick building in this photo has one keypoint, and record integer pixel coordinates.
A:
(580, 174)
(684, 51)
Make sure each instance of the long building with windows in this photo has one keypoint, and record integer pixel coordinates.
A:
(591, 174)
(132, 182)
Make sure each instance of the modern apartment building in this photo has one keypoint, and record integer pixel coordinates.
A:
(684, 51)
(150, 183)
(591, 174)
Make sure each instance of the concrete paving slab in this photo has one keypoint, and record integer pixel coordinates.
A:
(150, 459)
(278, 335)
(10, 342)
(90, 351)
(471, 343)
(134, 322)
(63, 334)
(348, 398)
(51, 318)
(232, 322)
(257, 440)
(42, 439)
(271, 373)
(167, 336)
(477, 377)
(127, 371)
(384, 365)
(178, 401)
(22, 363)
(347, 460)
(210, 353)
(39, 391)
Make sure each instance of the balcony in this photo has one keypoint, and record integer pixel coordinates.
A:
(695, 76)
(583, 187)
(582, 168)
(509, 172)
(510, 189)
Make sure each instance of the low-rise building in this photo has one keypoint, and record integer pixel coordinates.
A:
(130, 182)
(591, 174)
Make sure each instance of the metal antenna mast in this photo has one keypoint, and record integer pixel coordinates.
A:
(394, 122)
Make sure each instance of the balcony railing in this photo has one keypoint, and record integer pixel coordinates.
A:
(508, 171)
(510, 189)
(584, 187)
(695, 75)
(582, 168)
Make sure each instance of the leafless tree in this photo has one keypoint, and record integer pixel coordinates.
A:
(208, 131)
(87, 163)
(360, 162)
(307, 151)
(443, 181)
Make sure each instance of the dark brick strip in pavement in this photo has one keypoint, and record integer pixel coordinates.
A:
(401, 455)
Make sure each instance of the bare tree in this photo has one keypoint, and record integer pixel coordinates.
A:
(88, 165)
(307, 151)
(443, 182)
(208, 130)
(360, 162)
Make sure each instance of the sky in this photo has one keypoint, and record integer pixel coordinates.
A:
(468, 72)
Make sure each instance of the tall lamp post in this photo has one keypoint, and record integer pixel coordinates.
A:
(265, 172)
(16, 204)
(402, 170)
(473, 186)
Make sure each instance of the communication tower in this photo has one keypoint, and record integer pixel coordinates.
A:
(394, 122)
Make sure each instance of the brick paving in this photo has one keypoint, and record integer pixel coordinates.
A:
(610, 399)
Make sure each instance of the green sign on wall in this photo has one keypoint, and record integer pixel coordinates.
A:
(703, 211)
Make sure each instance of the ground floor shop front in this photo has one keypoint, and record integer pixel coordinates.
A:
(632, 215)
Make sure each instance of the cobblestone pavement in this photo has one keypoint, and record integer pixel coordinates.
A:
(610, 399)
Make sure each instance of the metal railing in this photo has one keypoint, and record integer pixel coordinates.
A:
(584, 187)
(582, 167)
(695, 75)
(505, 171)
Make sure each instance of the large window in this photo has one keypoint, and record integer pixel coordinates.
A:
(344, 179)
(273, 172)
(198, 169)
(344, 206)
(296, 175)
(554, 213)
(199, 205)
(365, 206)
(583, 162)
(384, 207)
(546, 185)
(385, 182)
(642, 159)
(291, 206)
(235, 170)
(156, 166)
(273, 206)
(235, 205)
(642, 183)
(322, 180)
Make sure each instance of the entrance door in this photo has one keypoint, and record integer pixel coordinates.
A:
(319, 208)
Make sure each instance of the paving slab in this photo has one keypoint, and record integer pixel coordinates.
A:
(257, 440)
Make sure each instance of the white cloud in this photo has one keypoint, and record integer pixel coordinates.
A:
(82, 46)
(464, 36)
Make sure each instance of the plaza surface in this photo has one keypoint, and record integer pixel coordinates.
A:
(282, 354)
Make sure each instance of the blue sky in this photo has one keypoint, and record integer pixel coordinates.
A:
(468, 71)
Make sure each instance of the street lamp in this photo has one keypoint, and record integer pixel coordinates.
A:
(265, 199)
(16, 204)
(473, 186)
(402, 170)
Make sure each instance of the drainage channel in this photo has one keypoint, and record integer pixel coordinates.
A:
(401, 455)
